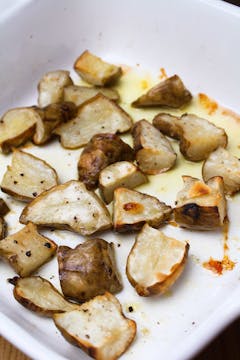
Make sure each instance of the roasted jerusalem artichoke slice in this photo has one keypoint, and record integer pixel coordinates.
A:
(28, 176)
(170, 92)
(155, 261)
(97, 115)
(50, 117)
(68, 206)
(132, 209)
(16, 127)
(198, 137)
(99, 327)
(119, 174)
(102, 150)
(51, 87)
(96, 71)
(88, 270)
(39, 295)
(79, 94)
(154, 153)
(222, 163)
(27, 250)
(201, 206)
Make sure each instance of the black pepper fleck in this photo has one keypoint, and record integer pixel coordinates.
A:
(130, 309)
(28, 253)
(34, 194)
(15, 241)
(22, 174)
(118, 245)
(48, 245)
(15, 182)
(42, 181)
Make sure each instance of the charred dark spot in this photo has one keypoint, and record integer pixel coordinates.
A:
(85, 310)
(15, 182)
(34, 194)
(130, 309)
(28, 253)
(192, 210)
(13, 280)
(48, 245)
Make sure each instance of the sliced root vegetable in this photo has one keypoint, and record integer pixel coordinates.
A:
(51, 87)
(222, 163)
(98, 327)
(102, 150)
(119, 174)
(27, 250)
(132, 209)
(170, 92)
(155, 261)
(201, 206)
(68, 206)
(16, 127)
(154, 152)
(28, 176)
(88, 270)
(79, 94)
(198, 137)
(95, 71)
(40, 296)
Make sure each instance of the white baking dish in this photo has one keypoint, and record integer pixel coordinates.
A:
(198, 40)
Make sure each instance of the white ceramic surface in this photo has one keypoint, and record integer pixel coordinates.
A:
(198, 40)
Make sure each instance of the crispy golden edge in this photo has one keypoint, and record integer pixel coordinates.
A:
(158, 287)
(85, 345)
(24, 301)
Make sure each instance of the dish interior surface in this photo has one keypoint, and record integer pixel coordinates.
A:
(147, 39)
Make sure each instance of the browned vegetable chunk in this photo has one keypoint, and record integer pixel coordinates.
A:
(51, 87)
(119, 174)
(154, 153)
(16, 127)
(132, 209)
(28, 176)
(198, 137)
(88, 270)
(170, 92)
(27, 250)
(101, 151)
(39, 295)
(79, 94)
(68, 206)
(222, 163)
(99, 327)
(50, 117)
(97, 115)
(96, 71)
(155, 261)
(201, 206)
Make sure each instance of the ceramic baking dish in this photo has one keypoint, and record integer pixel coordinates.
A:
(198, 40)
